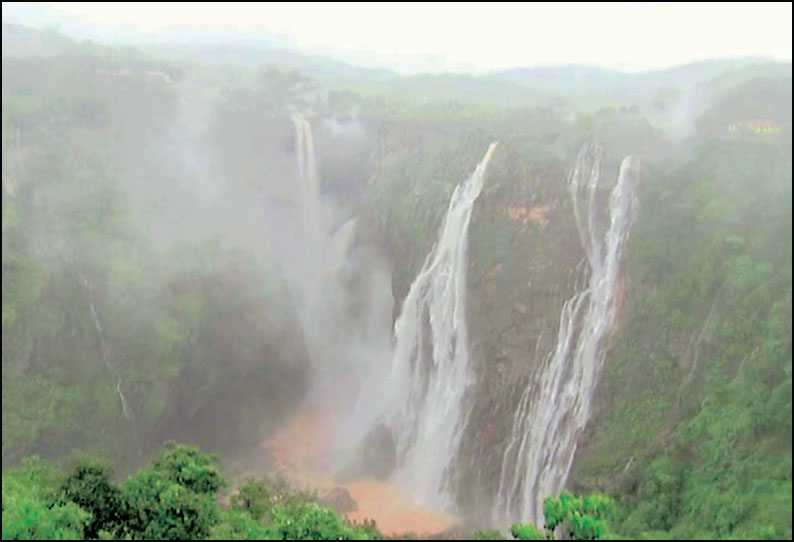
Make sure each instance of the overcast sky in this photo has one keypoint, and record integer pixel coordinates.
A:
(453, 37)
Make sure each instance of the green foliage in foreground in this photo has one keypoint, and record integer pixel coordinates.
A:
(89, 486)
(174, 498)
(488, 535)
(568, 516)
(526, 531)
(33, 509)
(259, 497)
(580, 518)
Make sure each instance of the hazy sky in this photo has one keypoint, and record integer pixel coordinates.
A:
(457, 37)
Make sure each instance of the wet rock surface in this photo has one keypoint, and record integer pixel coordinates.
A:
(340, 500)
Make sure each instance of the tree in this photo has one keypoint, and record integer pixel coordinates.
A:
(526, 531)
(32, 509)
(253, 497)
(581, 518)
(310, 521)
(189, 468)
(158, 508)
(89, 487)
(239, 525)
(174, 499)
(575, 518)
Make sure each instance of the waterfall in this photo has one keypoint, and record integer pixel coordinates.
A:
(315, 273)
(555, 406)
(126, 410)
(422, 398)
(312, 213)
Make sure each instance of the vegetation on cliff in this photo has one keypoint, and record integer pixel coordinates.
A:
(140, 303)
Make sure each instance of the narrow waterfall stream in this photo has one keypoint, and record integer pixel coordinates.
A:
(313, 216)
(555, 406)
(107, 356)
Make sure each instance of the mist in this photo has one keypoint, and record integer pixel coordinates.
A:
(477, 279)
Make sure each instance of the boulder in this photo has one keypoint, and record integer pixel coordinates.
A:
(340, 500)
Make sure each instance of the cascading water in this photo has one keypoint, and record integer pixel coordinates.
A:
(555, 406)
(315, 271)
(424, 404)
(106, 356)
(312, 213)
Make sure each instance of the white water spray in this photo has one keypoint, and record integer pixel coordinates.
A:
(555, 407)
(424, 402)
(338, 345)
(312, 213)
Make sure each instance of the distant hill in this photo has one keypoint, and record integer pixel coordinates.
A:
(454, 88)
(22, 41)
(251, 52)
(578, 79)
(581, 87)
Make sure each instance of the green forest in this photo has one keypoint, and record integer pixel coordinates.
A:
(176, 498)
(151, 341)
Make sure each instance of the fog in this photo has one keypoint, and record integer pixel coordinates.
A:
(385, 251)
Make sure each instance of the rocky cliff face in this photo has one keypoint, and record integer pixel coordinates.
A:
(674, 331)
(525, 256)
(523, 270)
